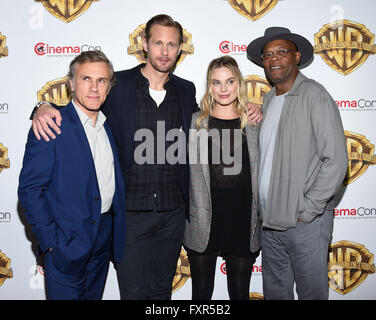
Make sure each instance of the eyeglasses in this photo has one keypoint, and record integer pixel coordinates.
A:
(280, 53)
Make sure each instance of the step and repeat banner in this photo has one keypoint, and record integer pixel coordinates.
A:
(38, 39)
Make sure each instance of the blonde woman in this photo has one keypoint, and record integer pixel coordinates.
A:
(223, 218)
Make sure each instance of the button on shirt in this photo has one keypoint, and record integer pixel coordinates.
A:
(102, 156)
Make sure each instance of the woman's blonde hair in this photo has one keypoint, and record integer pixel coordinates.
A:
(207, 102)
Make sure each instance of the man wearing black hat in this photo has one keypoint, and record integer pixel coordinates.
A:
(303, 164)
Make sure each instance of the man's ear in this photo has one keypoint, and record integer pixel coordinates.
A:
(298, 56)
(144, 45)
(71, 84)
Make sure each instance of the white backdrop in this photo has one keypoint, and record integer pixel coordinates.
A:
(216, 28)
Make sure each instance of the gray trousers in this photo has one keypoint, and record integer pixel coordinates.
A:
(297, 255)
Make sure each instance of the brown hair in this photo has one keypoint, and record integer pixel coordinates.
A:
(166, 21)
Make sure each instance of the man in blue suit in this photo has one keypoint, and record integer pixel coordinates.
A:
(72, 189)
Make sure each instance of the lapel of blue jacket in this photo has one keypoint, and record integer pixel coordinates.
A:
(118, 200)
(79, 133)
(113, 147)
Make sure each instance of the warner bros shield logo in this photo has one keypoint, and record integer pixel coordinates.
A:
(349, 265)
(66, 10)
(182, 273)
(55, 91)
(253, 9)
(360, 154)
(5, 269)
(257, 87)
(344, 45)
(4, 161)
(3, 47)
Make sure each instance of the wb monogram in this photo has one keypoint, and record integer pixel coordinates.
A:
(67, 10)
(344, 45)
(253, 9)
(5, 270)
(349, 265)
(3, 47)
(55, 91)
(361, 155)
(4, 161)
(257, 87)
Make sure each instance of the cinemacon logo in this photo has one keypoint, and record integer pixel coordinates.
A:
(5, 216)
(361, 212)
(42, 49)
(230, 47)
(256, 270)
(363, 104)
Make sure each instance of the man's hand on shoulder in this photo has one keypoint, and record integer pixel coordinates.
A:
(254, 113)
(43, 122)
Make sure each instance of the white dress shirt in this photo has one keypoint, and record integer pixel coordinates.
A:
(102, 156)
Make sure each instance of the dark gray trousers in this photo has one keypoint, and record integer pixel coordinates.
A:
(297, 255)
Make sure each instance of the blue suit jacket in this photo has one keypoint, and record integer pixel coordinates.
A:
(120, 110)
(59, 191)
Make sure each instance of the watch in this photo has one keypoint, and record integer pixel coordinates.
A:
(35, 109)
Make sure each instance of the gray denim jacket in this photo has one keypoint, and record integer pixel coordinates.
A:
(310, 156)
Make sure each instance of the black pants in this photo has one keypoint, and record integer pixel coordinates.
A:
(153, 243)
(239, 271)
